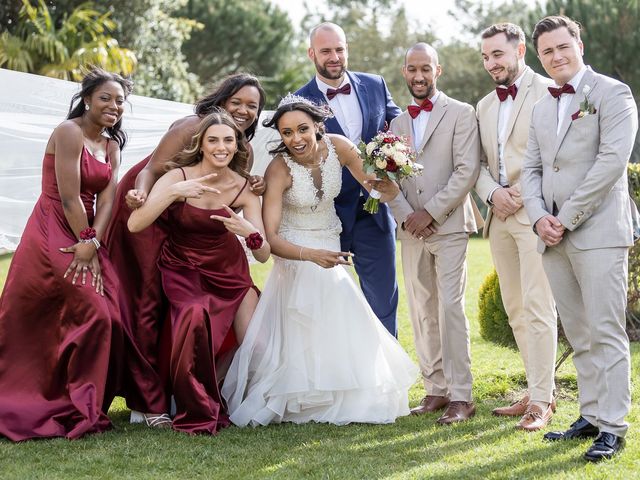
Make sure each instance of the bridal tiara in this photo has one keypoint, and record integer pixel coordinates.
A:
(290, 98)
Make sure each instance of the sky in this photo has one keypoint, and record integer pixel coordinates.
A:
(433, 12)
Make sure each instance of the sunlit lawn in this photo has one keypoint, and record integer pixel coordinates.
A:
(414, 447)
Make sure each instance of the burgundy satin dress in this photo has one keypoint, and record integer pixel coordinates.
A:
(136, 369)
(55, 337)
(205, 275)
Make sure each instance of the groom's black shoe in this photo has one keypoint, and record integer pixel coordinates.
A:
(606, 445)
(581, 428)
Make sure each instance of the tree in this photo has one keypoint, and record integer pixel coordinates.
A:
(64, 49)
(238, 35)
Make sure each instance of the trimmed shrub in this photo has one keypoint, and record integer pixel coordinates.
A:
(494, 323)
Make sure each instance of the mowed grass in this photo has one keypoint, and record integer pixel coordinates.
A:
(413, 448)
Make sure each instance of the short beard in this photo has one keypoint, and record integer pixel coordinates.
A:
(428, 94)
(326, 74)
(512, 73)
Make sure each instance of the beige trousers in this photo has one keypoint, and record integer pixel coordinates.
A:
(528, 301)
(435, 275)
(590, 288)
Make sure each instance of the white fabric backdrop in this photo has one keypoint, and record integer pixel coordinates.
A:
(31, 106)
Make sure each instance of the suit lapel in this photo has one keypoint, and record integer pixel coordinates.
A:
(525, 85)
(437, 113)
(493, 112)
(360, 90)
(578, 97)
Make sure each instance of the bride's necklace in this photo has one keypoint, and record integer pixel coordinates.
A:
(312, 165)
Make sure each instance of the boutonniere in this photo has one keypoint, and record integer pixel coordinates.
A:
(586, 108)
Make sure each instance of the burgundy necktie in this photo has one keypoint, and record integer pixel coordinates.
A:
(414, 110)
(503, 93)
(566, 88)
(345, 90)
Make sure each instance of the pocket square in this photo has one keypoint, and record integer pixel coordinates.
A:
(582, 113)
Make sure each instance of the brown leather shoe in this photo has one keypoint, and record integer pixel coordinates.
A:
(457, 411)
(516, 409)
(535, 418)
(430, 403)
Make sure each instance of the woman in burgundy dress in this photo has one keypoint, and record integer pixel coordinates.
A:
(204, 270)
(135, 256)
(59, 305)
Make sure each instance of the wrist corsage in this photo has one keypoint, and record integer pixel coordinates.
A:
(254, 241)
(88, 235)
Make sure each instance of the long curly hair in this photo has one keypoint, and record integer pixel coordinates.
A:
(91, 81)
(226, 89)
(192, 155)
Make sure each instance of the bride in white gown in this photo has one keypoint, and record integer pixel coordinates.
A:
(314, 350)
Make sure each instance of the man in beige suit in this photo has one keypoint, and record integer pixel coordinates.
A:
(575, 190)
(435, 215)
(503, 118)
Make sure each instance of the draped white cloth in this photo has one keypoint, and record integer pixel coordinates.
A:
(31, 106)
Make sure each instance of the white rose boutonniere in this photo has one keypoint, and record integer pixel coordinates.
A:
(586, 108)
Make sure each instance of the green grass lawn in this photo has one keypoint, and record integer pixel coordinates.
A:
(414, 447)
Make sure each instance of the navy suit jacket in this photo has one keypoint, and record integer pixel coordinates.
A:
(377, 109)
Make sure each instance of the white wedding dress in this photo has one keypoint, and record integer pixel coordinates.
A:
(314, 350)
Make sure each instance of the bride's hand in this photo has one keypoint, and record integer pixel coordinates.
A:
(235, 223)
(325, 258)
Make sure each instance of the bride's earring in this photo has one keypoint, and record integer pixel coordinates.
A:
(86, 106)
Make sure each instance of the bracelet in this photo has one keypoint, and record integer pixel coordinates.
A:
(254, 241)
(301, 254)
(87, 234)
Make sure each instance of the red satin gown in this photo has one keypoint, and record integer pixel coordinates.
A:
(55, 337)
(205, 275)
(135, 366)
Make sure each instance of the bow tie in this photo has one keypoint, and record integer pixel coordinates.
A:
(503, 93)
(414, 110)
(345, 90)
(566, 88)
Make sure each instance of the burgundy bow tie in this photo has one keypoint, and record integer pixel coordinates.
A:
(566, 88)
(414, 110)
(503, 93)
(345, 89)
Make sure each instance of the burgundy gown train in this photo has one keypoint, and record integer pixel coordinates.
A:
(55, 337)
(205, 275)
(136, 369)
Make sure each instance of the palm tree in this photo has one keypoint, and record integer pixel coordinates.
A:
(62, 51)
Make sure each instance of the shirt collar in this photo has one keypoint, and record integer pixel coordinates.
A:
(323, 87)
(432, 99)
(575, 81)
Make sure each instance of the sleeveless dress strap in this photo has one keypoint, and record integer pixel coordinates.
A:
(184, 175)
(246, 180)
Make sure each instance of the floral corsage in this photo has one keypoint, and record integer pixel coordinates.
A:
(586, 108)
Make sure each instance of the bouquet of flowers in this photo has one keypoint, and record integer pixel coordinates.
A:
(387, 156)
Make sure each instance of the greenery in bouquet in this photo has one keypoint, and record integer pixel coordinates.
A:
(387, 156)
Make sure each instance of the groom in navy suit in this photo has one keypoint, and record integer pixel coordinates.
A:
(362, 106)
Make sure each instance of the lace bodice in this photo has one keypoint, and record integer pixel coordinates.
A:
(308, 214)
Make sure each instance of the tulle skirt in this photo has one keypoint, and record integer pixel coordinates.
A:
(315, 351)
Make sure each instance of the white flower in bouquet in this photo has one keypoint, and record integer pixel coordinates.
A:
(381, 163)
(388, 149)
(371, 146)
(401, 159)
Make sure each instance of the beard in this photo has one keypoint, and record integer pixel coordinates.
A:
(512, 73)
(421, 96)
(324, 72)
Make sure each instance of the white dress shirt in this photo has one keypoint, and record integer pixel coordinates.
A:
(419, 124)
(565, 99)
(346, 109)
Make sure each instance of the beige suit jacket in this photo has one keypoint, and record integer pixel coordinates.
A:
(583, 168)
(450, 154)
(532, 88)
